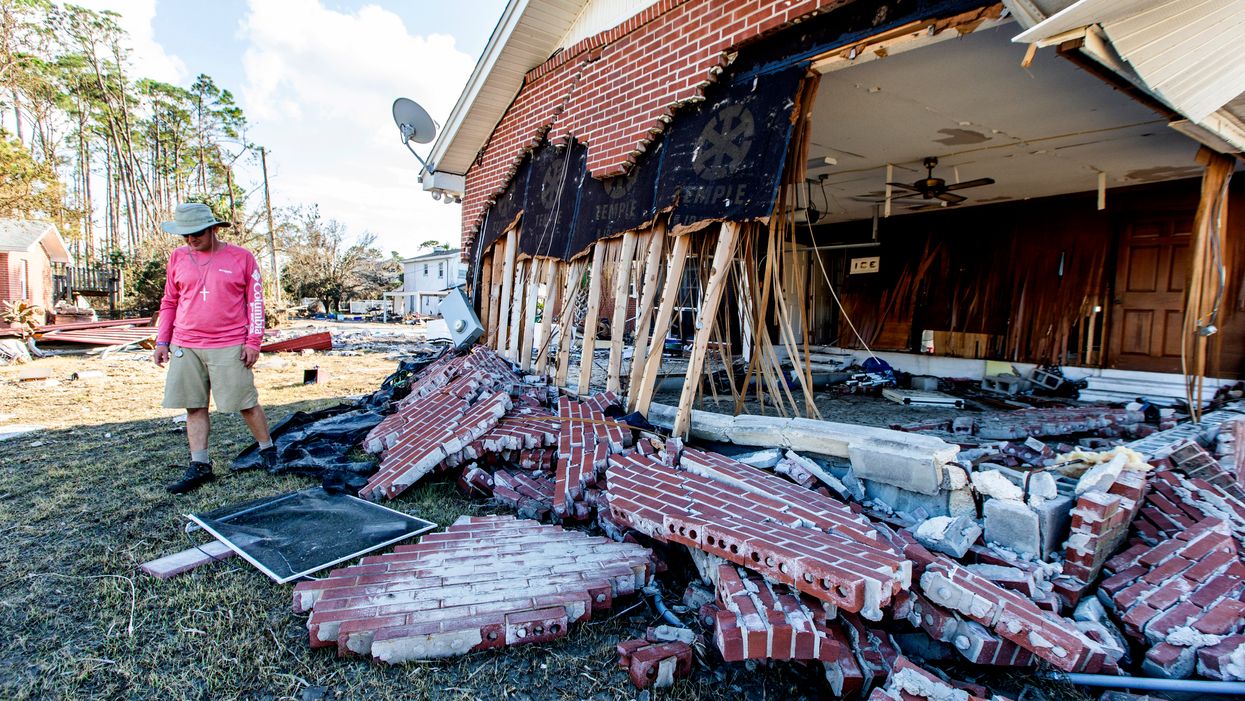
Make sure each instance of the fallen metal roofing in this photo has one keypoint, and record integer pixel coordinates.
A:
(1186, 54)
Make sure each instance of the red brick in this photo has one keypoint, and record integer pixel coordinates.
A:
(485, 582)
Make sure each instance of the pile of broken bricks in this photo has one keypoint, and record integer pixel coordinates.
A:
(869, 554)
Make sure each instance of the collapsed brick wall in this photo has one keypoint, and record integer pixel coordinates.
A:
(616, 90)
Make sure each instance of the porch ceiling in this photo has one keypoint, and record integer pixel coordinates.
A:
(1047, 130)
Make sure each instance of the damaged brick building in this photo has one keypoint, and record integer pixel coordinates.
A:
(902, 176)
(939, 183)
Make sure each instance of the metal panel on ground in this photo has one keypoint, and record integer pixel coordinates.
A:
(296, 534)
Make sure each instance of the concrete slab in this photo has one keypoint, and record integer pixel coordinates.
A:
(1014, 526)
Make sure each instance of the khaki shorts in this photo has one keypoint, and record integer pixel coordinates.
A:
(195, 371)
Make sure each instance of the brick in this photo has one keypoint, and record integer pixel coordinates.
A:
(1222, 661)
(789, 534)
(655, 664)
(485, 582)
(1010, 615)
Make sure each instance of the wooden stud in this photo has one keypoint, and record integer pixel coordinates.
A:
(661, 326)
(529, 313)
(507, 288)
(494, 293)
(640, 333)
(484, 291)
(723, 254)
(591, 318)
(570, 300)
(516, 311)
(618, 322)
(553, 269)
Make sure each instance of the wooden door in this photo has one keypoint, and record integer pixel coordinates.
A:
(1148, 310)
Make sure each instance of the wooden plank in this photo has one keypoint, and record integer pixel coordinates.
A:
(507, 289)
(494, 311)
(516, 311)
(618, 322)
(640, 335)
(570, 300)
(723, 254)
(553, 271)
(529, 313)
(661, 326)
(484, 291)
(591, 318)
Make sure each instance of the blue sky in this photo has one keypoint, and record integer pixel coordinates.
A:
(316, 79)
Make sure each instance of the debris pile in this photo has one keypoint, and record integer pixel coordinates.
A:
(859, 549)
(485, 582)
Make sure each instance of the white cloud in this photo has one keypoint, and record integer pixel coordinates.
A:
(318, 89)
(148, 58)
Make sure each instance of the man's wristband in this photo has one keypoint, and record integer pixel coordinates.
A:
(162, 343)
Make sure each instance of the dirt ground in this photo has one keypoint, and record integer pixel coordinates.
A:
(82, 504)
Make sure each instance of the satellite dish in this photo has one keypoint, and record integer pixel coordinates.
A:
(413, 121)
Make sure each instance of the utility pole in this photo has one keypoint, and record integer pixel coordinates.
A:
(272, 239)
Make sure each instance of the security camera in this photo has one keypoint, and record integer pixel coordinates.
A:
(436, 194)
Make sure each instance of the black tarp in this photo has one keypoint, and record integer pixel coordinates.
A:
(508, 205)
(724, 157)
(627, 202)
(721, 159)
(549, 204)
(322, 443)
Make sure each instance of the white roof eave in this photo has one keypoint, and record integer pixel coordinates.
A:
(520, 42)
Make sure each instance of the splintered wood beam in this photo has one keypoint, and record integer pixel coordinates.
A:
(516, 311)
(723, 253)
(640, 336)
(553, 269)
(661, 326)
(529, 313)
(618, 322)
(507, 288)
(591, 318)
(566, 320)
(484, 291)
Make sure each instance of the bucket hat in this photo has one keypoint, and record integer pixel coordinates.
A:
(191, 218)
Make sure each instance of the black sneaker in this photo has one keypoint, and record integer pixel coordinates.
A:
(269, 457)
(195, 475)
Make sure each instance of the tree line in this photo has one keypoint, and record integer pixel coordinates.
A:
(107, 155)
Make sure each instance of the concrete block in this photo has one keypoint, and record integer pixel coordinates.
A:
(945, 534)
(1042, 485)
(996, 485)
(896, 462)
(905, 502)
(762, 459)
(1013, 526)
(1054, 519)
(960, 502)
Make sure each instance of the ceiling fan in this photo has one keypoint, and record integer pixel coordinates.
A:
(930, 187)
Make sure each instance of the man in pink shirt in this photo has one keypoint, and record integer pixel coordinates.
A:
(211, 324)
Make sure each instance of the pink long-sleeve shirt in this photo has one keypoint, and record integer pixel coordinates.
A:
(212, 301)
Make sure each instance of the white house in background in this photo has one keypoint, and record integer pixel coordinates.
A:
(426, 279)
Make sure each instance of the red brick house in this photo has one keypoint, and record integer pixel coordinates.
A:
(912, 177)
(28, 251)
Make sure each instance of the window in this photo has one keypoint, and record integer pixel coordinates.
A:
(425, 268)
(25, 280)
(440, 270)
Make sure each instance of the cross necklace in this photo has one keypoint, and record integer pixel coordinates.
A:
(205, 269)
